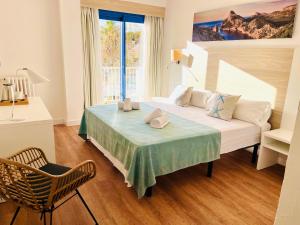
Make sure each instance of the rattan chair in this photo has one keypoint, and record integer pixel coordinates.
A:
(29, 180)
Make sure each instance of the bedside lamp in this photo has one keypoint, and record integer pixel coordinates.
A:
(178, 57)
(34, 79)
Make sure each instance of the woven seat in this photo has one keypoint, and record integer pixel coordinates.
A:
(54, 169)
(28, 180)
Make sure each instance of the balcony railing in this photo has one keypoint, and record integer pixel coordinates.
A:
(111, 92)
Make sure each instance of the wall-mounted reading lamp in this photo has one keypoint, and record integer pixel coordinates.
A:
(178, 57)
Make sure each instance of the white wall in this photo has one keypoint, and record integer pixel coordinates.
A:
(45, 35)
(73, 59)
(30, 37)
(289, 204)
(293, 94)
(178, 31)
(161, 3)
(179, 24)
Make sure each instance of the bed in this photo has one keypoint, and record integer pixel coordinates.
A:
(141, 159)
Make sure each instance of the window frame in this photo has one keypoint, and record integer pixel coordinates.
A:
(123, 18)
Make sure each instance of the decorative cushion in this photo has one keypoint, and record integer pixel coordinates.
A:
(178, 90)
(224, 106)
(185, 98)
(256, 112)
(54, 169)
(211, 101)
(200, 97)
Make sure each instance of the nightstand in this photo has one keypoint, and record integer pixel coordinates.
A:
(273, 144)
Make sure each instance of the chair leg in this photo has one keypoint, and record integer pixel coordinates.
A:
(15, 216)
(45, 218)
(51, 214)
(86, 206)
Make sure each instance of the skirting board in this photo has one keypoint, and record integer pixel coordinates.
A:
(72, 123)
(67, 123)
(58, 121)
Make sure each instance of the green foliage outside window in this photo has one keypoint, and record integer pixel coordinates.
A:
(110, 37)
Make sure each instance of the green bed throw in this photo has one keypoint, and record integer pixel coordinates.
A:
(146, 152)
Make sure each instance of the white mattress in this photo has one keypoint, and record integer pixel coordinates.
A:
(235, 134)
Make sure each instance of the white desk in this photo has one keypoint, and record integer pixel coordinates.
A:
(35, 131)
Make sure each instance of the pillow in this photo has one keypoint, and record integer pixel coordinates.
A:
(199, 98)
(211, 101)
(256, 112)
(179, 90)
(224, 106)
(185, 98)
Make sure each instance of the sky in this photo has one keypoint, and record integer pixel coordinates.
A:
(243, 10)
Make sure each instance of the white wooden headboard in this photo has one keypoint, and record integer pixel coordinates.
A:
(255, 73)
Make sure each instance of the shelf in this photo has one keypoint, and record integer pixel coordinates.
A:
(282, 135)
(278, 146)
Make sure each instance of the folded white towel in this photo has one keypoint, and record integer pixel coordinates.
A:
(127, 105)
(160, 122)
(156, 113)
(120, 105)
(135, 105)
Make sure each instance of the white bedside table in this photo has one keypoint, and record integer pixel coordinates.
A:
(273, 144)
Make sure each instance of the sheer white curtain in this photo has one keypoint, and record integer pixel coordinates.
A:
(154, 30)
(91, 53)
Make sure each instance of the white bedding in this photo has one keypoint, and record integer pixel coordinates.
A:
(235, 134)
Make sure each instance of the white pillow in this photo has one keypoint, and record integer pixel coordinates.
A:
(200, 97)
(179, 90)
(185, 98)
(224, 106)
(257, 112)
(211, 101)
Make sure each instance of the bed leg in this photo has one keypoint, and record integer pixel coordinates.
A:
(210, 169)
(254, 154)
(148, 192)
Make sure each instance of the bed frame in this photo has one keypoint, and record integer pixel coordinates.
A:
(210, 166)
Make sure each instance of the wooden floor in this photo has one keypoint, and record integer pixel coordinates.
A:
(237, 194)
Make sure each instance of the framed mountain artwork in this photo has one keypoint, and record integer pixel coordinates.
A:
(259, 20)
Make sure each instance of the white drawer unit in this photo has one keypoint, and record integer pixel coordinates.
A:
(273, 144)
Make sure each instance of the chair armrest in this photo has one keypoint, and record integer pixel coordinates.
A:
(72, 179)
(33, 157)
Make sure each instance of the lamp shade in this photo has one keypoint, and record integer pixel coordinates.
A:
(34, 77)
(176, 55)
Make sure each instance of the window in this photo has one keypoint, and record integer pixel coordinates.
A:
(122, 45)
